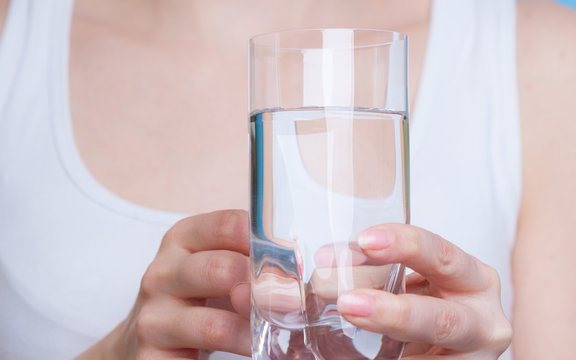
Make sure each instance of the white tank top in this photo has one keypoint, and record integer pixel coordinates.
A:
(72, 253)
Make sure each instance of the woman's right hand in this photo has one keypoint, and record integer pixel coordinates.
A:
(184, 303)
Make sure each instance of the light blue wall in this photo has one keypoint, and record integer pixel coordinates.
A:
(570, 3)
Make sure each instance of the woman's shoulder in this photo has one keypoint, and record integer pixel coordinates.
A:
(547, 98)
(547, 94)
(3, 10)
(546, 47)
(546, 71)
(543, 11)
(545, 26)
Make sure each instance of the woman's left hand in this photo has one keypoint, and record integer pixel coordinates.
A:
(452, 308)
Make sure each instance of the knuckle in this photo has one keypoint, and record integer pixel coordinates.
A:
(230, 224)
(500, 336)
(222, 268)
(400, 316)
(412, 241)
(447, 263)
(217, 331)
(154, 278)
(177, 231)
(445, 324)
(490, 276)
(147, 325)
(497, 335)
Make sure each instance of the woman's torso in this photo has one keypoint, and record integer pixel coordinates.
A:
(76, 160)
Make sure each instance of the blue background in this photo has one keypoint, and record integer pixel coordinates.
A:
(570, 3)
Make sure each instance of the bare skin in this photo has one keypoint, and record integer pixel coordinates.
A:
(165, 46)
(139, 140)
(544, 315)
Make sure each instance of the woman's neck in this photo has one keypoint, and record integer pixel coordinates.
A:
(229, 21)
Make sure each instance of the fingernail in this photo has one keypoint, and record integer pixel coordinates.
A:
(360, 305)
(324, 257)
(374, 239)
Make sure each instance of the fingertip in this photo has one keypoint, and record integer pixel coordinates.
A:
(378, 238)
(383, 236)
(356, 304)
(240, 299)
(372, 310)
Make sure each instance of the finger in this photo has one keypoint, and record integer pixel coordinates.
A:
(240, 299)
(216, 330)
(417, 284)
(414, 318)
(198, 275)
(219, 230)
(222, 303)
(339, 254)
(181, 354)
(441, 262)
(411, 349)
(209, 274)
(276, 292)
(328, 283)
(170, 326)
(421, 351)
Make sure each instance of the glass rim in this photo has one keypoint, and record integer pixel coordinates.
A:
(253, 40)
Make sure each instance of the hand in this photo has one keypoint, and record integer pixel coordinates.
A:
(184, 303)
(452, 307)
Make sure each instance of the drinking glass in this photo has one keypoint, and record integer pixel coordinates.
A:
(329, 147)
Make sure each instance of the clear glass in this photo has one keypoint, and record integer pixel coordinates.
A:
(329, 131)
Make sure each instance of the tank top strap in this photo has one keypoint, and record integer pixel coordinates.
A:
(470, 68)
(32, 39)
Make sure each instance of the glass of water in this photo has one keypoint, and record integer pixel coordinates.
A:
(329, 131)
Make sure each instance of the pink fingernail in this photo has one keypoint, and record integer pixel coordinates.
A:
(375, 239)
(360, 305)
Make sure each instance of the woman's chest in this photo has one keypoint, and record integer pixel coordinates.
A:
(160, 127)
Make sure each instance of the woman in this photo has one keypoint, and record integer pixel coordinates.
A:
(120, 117)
